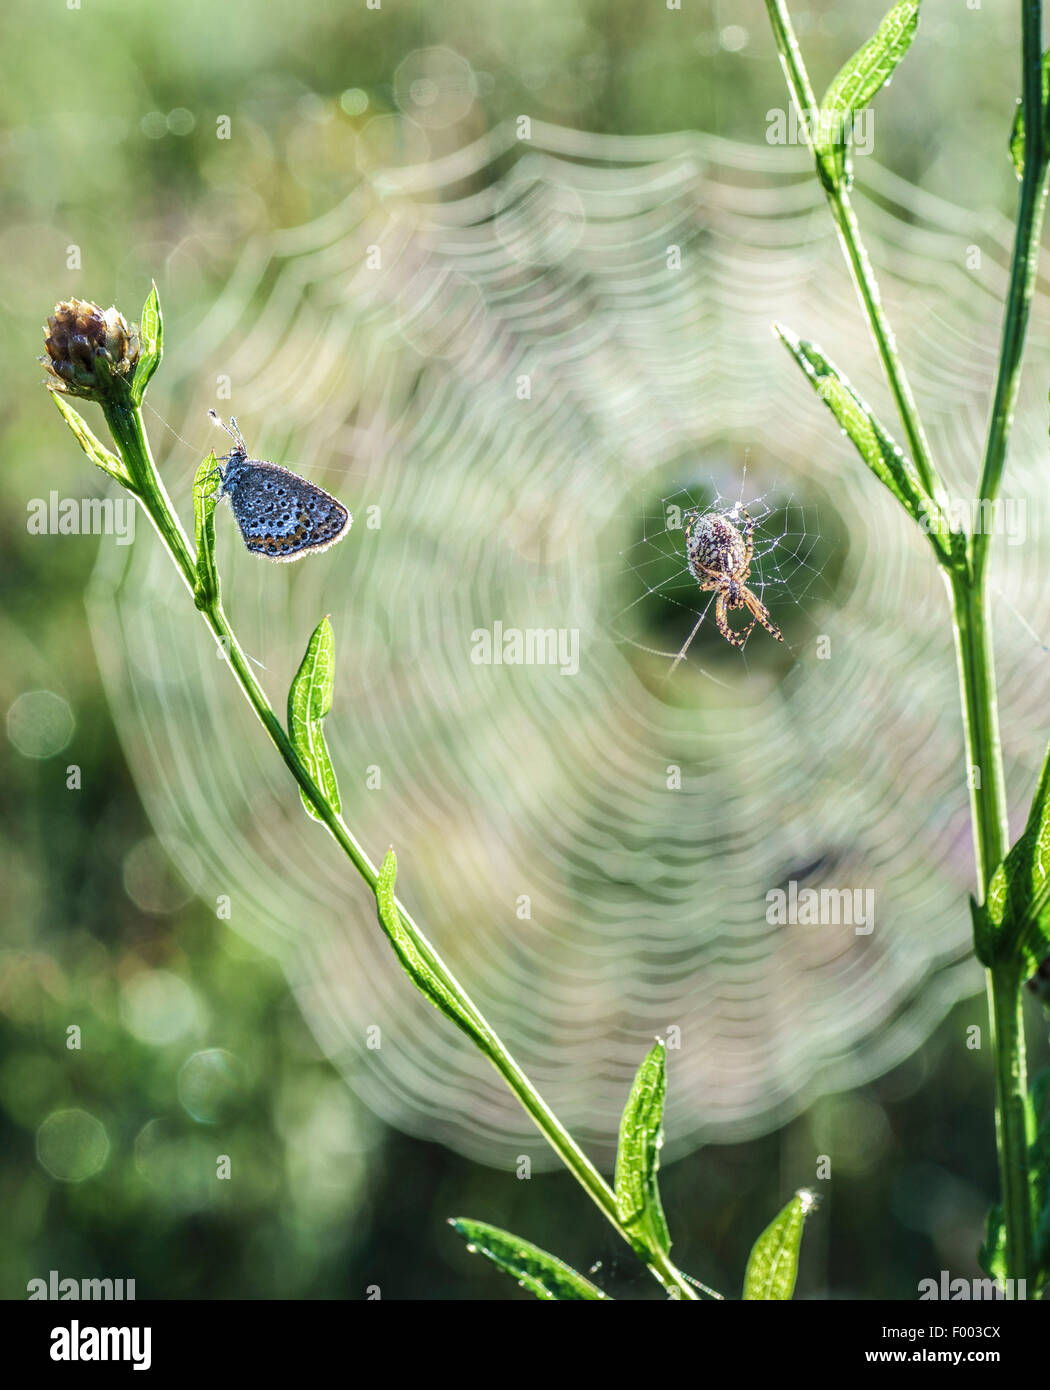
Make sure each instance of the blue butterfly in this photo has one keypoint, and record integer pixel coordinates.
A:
(281, 515)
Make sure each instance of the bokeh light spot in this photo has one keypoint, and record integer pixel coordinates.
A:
(435, 87)
(354, 101)
(210, 1083)
(72, 1145)
(152, 881)
(181, 121)
(40, 723)
(158, 1007)
(154, 125)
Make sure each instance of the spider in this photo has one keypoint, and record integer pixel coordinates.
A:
(720, 559)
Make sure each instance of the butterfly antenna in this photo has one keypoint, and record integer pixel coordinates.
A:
(231, 429)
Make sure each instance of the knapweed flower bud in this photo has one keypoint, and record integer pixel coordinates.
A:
(91, 351)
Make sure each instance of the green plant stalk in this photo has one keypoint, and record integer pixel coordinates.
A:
(885, 341)
(976, 661)
(863, 276)
(129, 434)
(967, 584)
(1024, 269)
(1014, 1126)
(1004, 980)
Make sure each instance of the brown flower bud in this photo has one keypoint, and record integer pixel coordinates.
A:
(91, 352)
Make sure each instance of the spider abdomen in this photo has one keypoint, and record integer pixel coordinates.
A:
(715, 546)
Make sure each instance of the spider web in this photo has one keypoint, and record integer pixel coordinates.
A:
(507, 402)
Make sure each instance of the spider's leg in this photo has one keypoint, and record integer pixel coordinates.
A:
(749, 542)
(761, 612)
(720, 616)
(735, 639)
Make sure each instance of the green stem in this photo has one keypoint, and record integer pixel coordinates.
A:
(1014, 1128)
(130, 436)
(976, 659)
(885, 340)
(854, 250)
(1003, 981)
(973, 643)
(1023, 274)
(966, 577)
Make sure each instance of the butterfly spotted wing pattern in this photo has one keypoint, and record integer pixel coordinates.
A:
(281, 515)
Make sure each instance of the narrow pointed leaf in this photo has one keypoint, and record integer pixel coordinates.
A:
(151, 339)
(1017, 910)
(309, 700)
(92, 446)
(206, 487)
(871, 439)
(986, 937)
(542, 1274)
(773, 1265)
(415, 960)
(638, 1155)
(857, 81)
(1017, 133)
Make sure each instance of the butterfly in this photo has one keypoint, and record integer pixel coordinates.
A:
(280, 515)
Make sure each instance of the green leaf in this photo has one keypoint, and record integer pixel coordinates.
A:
(92, 446)
(417, 959)
(1017, 909)
(857, 81)
(1017, 132)
(543, 1275)
(151, 345)
(773, 1264)
(985, 934)
(309, 700)
(206, 487)
(872, 440)
(638, 1155)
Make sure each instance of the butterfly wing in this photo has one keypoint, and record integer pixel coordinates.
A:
(281, 515)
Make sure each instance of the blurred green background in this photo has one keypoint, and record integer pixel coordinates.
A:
(108, 143)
